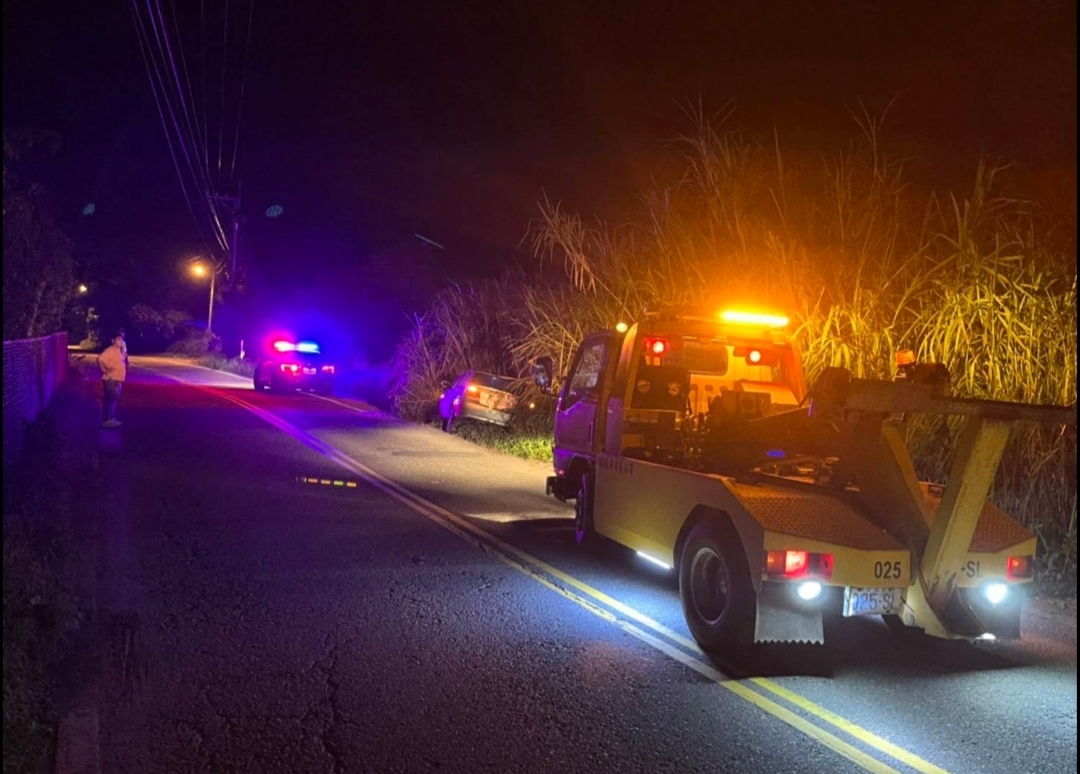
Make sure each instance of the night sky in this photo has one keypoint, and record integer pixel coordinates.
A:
(369, 122)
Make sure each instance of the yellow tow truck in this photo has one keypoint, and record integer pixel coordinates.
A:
(695, 442)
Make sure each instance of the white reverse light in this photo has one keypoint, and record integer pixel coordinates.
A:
(808, 590)
(654, 560)
(996, 593)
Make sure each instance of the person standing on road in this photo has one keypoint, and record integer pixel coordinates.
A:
(113, 365)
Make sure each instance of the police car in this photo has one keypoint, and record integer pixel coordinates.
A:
(288, 366)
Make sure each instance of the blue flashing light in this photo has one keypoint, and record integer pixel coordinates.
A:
(776, 454)
(308, 346)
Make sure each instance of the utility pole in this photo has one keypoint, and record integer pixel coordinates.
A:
(210, 315)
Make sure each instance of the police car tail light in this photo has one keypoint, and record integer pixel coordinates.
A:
(328, 369)
(289, 368)
(798, 564)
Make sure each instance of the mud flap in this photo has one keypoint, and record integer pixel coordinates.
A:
(556, 487)
(782, 617)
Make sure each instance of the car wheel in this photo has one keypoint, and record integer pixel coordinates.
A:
(447, 423)
(583, 511)
(260, 386)
(715, 588)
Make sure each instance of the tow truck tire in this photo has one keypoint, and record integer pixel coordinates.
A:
(715, 588)
(583, 511)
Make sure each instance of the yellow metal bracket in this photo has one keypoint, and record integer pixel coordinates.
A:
(978, 454)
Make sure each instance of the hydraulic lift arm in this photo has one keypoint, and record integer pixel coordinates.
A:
(882, 466)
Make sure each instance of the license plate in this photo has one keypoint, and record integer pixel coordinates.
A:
(309, 370)
(859, 601)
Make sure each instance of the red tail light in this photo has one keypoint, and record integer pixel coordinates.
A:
(289, 368)
(656, 346)
(472, 389)
(796, 564)
(328, 369)
(1020, 568)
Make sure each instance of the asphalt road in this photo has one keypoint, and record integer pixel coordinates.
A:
(425, 609)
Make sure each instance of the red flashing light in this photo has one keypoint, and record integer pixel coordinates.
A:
(1020, 568)
(284, 346)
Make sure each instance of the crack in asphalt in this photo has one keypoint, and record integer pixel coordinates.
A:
(327, 666)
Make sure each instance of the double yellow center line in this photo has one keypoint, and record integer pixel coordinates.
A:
(633, 622)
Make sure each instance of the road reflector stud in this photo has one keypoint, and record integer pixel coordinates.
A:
(327, 482)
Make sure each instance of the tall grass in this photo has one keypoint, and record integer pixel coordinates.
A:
(862, 261)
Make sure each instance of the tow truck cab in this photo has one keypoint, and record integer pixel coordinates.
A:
(629, 390)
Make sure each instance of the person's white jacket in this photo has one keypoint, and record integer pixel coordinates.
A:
(113, 364)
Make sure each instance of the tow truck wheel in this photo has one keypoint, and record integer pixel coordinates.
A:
(583, 511)
(716, 590)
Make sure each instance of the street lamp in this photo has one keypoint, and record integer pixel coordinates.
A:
(200, 270)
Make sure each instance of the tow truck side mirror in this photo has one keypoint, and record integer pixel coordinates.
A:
(544, 374)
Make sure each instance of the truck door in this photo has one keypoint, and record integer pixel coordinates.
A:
(576, 417)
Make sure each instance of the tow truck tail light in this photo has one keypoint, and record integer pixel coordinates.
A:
(1020, 568)
(754, 356)
(656, 346)
(798, 564)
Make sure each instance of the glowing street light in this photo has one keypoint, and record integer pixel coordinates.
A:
(201, 270)
(83, 289)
